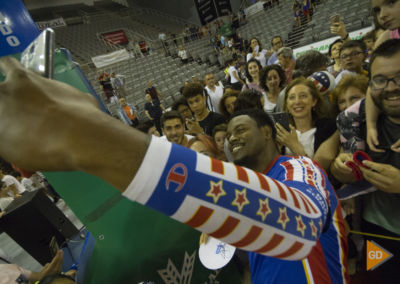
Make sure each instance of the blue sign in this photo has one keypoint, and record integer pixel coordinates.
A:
(17, 29)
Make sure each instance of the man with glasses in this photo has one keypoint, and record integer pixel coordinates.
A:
(381, 207)
(352, 55)
(277, 43)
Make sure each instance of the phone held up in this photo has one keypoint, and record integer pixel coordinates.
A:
(282, 118)
(38, 56)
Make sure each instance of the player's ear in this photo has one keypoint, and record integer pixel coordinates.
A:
(267, 132)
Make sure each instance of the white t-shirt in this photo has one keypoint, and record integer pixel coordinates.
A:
(182, 54)
(306, 139)
(9, 180)
(269, 107)
(215, 97)
(232, 69)
(260, 57)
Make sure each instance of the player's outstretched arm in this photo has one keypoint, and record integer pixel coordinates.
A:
(51, 126)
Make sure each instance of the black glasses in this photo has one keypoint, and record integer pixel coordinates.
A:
(354, 53)
(380, 82)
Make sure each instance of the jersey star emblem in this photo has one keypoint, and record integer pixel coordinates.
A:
(283, 217)
(264, 209)
(320, 224)
(240, 199)
(314, 229)
(301, 227)
(216, 190)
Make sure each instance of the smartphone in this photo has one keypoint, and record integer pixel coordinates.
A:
(282, 118)
(53, 246)
(257, 48)
(38, 56)
(335, 19)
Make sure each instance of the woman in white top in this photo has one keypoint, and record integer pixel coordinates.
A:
(272, 81)
(253, 73)
(256, 52)
(308, 129)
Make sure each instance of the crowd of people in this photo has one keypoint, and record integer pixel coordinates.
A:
(315, 140)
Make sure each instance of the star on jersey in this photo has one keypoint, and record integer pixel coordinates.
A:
(314, 229)
(240, 200)
(320, 224)
(301, 227)
(264, 209)
(216, 190)
(283, 217)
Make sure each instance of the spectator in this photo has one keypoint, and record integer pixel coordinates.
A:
(249, 99)
(273, 81)
(12, 273)
(307, 9)
(7, 195)
(215, 90)
(277, 44)
(205, 120)
(183, 55)
(386, 17)
(381, 207)
(334, 54)
(285, 55)
(11, 181)
(297, 12)
(219, 134)
(153, 91)
(105, 84)
(118, 84)
(352, 56)
(351, 89)
(128, 113)
(226, 106)
(182, 107)
(256, 52)
(235, 80)
(310, 129)
(173, 127)
(154, 110)
(310, 62)
(253, 69)
(369, 41)
(205, 145)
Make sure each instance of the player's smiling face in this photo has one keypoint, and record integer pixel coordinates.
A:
(246, 140)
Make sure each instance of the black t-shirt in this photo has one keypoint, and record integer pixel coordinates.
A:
(212, 120)
(325, 128)
(154, 109)
(388, 134)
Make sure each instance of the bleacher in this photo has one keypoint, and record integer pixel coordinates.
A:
(166, 72)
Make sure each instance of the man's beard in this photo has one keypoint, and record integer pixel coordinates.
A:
(379, 102)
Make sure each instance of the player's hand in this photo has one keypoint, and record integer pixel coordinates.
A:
(339, 169)
(384, 177)
(41, 119)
